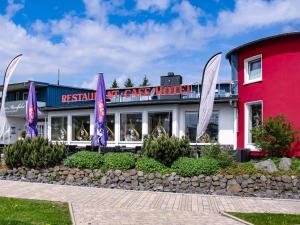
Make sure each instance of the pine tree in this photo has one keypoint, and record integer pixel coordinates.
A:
(128, 83)
(115, 84)
(145, 82)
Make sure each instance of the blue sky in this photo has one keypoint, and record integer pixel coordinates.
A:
(132, 38)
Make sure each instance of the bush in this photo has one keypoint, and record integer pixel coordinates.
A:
(85, 160)
(34, 152)
(150, 165)
(241, 169)
(123, 161)
(275, 136)
(216, 151)
(166, 149)
(193, 167)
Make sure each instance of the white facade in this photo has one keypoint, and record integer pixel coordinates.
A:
(226, 121)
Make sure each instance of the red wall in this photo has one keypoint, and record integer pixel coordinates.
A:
(280, 86)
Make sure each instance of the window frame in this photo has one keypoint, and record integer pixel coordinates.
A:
(247, 121)
(51, 130)
(72, 127)
(127, 141)
(247, 79)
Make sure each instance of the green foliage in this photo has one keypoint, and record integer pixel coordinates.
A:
(115, 84)
(215, 151)
(166, 149)
(145, 82)
(34, 152)
(275, 136)
(121, 161)
(241, 168)
(150, 165)
(193, 167)
(128, 83)
(85, 160)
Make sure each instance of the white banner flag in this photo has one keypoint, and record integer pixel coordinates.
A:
(8, 73)
(209, 82)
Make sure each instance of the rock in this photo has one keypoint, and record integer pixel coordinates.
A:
(267, 165)
(233, 186)
(140, 173)
(133, 172)
(70, 178)
(228, 177)
(286, 179)
(285, 164)
(150, 176)
(103, 180)
(3, 172)
(118, 172)
(263, 178)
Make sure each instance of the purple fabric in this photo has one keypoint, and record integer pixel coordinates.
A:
(100, 131)
(31, 113)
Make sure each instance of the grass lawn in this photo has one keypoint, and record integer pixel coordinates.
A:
(268, 218)
(33, 212)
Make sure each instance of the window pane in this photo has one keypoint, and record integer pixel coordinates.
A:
(81, 128)
(255, 69)
(160, 123)
(191, 120)
(131, 127)
(255, 119)
(110, 124)
(59, 128)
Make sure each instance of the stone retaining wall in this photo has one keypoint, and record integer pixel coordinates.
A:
(245, 185)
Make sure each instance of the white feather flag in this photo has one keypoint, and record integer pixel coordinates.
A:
(209, 81)
(8, 74)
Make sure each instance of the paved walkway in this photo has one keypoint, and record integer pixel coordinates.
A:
(97, 206)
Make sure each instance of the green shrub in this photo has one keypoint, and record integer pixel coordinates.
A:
(275, 136)
(150, 165)
(216, 151)
(34, 152)
(85, 160)
(166, 149)
(121, 161)
(193, 167)
(241, 168)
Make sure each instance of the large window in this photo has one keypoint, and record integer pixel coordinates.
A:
(81, 128)
(212, 131)
(59, 128)
(110, 125)
(131, 127)
(253, 69)
(254, 111)
(160, 123)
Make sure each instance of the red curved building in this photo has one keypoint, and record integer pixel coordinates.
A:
(267, 75)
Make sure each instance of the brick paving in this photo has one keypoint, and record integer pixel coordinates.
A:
(97, 206)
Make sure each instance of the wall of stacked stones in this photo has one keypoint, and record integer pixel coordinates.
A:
(243, 185)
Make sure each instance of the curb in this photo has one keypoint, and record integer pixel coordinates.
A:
(235, 218)
(72, 213)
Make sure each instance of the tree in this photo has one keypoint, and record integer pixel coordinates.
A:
(115, 84)
(128, 83)
(275, 136)
(145, 82)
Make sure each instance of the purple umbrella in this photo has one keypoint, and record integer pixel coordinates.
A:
(100, 132)
(31, 113)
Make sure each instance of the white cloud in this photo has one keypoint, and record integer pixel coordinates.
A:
(91, 44)
(253, 14)
(12, 8)
(153, 5)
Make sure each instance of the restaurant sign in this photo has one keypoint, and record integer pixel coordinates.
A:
(130, 92)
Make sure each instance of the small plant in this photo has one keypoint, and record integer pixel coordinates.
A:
(166, 149)
(150, 165)
(123, 161)
(34, 152)
(274, 136)
(216, 151)
(85, 160)
(241, 169)
(193, 167)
